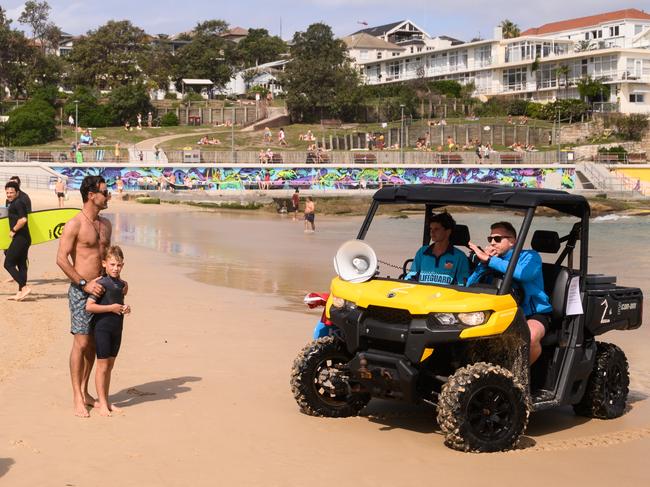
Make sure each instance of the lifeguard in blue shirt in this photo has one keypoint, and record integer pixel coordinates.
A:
(528, 274)
(440, 263)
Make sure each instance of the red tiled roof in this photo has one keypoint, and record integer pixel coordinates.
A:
(562, 25)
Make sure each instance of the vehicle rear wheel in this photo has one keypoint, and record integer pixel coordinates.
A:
(608, 385)
(318, 382)
(482, 408)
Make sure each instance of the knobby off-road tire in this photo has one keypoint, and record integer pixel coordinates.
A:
(608, 385)
(482, 408)
(310, 381)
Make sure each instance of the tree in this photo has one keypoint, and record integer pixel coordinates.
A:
(36, 15)
(16, 58)
(320, 80)
(564, 71)
(207, 56)
(258, 47)
(110, 56)
(583, 45)
(509, 29)
(158, 65)
(32, 123)
(592, 90)
(125, 102)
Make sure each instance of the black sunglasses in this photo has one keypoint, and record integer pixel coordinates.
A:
(105, 193)
(496, 238)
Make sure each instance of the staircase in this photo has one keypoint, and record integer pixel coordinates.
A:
(598, 177)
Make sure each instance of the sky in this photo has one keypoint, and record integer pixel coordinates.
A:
(461, 19)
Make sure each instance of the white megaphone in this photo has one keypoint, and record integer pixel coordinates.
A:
(355, 261)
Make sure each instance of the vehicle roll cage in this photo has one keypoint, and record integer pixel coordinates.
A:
(493, 196)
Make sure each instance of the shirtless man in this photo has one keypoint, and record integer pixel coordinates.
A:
(59, 189)
(82, 244)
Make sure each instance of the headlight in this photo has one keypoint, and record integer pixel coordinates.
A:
(473, 319)
(342, 303)
(468, 319)
(446, 318)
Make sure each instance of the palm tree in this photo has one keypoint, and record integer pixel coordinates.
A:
(563, 71)
(509, 29)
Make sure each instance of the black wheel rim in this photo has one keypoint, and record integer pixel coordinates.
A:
(614, 390)
(326, 385)
(490, 413)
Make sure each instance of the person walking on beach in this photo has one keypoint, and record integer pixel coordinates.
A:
(295, 203)
(310, 214)
(282, 140)
(108, 321)
(22, 196)
(16, 255)
(59, 190)
(84, 240)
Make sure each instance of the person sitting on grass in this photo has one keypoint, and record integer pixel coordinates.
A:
(108, 321)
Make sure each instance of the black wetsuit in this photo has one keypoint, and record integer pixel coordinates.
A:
(108, 326)
(16, 254)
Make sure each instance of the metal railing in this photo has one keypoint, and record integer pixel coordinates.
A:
(604, 180)
(33, 181)
(226, 156)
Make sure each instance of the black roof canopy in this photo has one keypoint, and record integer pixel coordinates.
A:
(485, 195)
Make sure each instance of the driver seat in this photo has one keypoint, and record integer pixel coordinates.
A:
(556, 282)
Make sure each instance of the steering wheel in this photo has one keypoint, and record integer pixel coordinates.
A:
(405, 268)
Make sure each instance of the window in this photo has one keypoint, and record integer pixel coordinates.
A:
(484, 56)
(638, 29)
(636, 98)
(378, 54)
(514, 79)
(363, 55)
(613, 31)
(394, 68)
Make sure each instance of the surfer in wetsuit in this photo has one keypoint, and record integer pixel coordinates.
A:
(108, 320)
(16, 254)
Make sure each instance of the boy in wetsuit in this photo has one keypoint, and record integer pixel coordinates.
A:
(109, 311)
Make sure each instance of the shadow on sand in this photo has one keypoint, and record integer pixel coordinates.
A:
(5, 465)
(422, 419)
(160, 390)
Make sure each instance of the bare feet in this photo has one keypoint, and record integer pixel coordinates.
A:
(114, 408)
(6, 281)
(13, 298)
(105, 411)
(23, 294)
(91, 401)
(80, 410)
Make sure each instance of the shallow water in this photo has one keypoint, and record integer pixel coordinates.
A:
(271, 254)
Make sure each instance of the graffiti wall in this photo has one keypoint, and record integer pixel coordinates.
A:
(319, 177)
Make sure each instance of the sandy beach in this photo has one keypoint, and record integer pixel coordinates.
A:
(203, 380)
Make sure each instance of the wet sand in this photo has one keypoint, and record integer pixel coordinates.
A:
(203, 379)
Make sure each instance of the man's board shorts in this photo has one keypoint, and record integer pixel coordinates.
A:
(61, 195)
(309, 217)
(79, 318)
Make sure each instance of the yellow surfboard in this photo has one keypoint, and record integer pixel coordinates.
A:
(44, 225)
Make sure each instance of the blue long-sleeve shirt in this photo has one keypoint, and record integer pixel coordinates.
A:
(528, 273)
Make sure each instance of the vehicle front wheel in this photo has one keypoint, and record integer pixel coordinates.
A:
(319, 383)
(608, 386)
(482, 408)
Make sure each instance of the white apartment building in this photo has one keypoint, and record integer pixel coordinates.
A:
(542, 64)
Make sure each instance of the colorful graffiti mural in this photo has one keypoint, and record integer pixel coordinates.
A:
(321, 177)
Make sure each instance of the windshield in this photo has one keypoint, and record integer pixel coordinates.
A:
(397, 233)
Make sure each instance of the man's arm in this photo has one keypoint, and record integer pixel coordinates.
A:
(66, 245)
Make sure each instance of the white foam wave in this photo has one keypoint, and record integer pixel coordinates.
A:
(610, 218)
